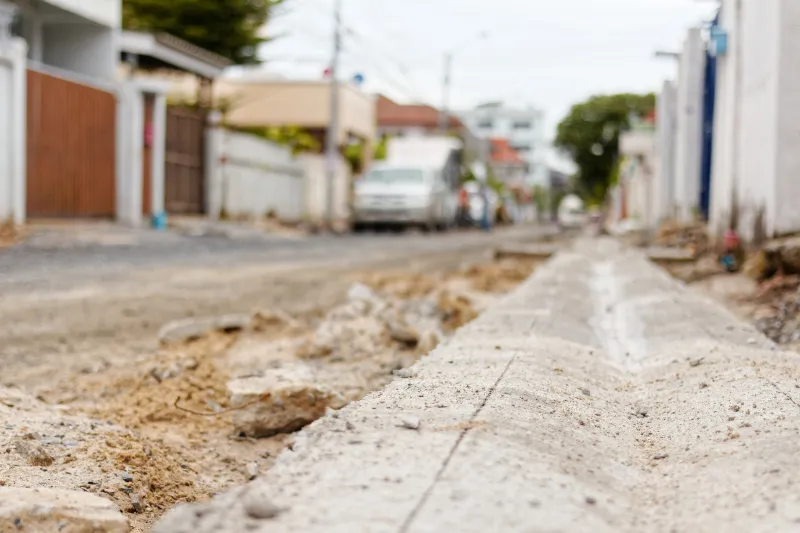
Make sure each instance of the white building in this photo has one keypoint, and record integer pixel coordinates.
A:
(524, 129)
(78, 36)
(756, 160)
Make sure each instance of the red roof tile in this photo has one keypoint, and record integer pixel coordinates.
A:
(502, 152)
(390, 113)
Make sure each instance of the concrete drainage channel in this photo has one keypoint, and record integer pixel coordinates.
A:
(552, 412)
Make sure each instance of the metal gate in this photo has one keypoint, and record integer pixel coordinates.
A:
(184, 187)
(71, 148)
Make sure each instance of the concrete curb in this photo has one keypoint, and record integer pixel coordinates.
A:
(600, 396)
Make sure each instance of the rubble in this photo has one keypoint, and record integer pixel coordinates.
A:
(214, 405)
(48, 510)
(191, 329)
(284, 400)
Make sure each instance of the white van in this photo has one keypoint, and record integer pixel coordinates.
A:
(416, 185)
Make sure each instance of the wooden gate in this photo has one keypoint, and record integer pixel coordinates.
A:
(71, 148)
(184, 175)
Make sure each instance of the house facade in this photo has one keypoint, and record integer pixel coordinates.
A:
(523, 127)
(394, 119)
(77, 36)
(506, 163)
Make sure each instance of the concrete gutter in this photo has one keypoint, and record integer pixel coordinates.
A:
(601, 396)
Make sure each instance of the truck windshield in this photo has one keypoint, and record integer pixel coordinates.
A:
(395, 175)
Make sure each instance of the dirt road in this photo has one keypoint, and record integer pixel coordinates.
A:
(134, 421)
(88, 306)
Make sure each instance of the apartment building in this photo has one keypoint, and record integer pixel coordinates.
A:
(523, 127)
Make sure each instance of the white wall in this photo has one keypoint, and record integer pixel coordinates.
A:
(757, 127)
(86, 49)
(249, 176)
(787, 191)
(12, 130)
(315, 209)
(666, 124)
(689, 136)
(105, 12)
(260, 177)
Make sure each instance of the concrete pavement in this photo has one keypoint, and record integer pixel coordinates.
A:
(601, 396)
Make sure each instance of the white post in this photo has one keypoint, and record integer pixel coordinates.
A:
(19, 120)
(158, 155)
(214, 166)
(13, 118)
(130, 148)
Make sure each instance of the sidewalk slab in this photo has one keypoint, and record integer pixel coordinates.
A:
(601, 396)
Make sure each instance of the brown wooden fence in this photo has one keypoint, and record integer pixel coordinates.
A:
(71, 142)
(184, 175)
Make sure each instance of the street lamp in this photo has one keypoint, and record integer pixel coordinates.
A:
(444, 119)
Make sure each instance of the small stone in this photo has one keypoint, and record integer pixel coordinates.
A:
(591, 501)
(257, 505)
(751, 340)
(405, 373)
(252, 470)
(126, 477)
(696, 362)
(585, 391)
(350, 426)
(410, 422)
(33, 452)
(704, 385)
(660, 456)
(136, 503)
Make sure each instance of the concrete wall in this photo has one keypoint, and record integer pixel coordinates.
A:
(260, 177)
(12, 130)
(316, 186)
(86, 49)
(666, 124)
(787, 188)
(757, 129)
(688, 144)
(105, 12)
(249, 176)
(639, 173)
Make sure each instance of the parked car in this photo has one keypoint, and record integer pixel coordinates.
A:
(571, 213)
(416, 185)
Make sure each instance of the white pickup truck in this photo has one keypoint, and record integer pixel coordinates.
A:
(416, 185)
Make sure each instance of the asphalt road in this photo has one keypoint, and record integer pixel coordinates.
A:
(61, 258)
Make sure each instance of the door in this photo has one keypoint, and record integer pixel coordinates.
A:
(184, 175)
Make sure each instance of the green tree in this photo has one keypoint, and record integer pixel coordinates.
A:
(230, 28)
(590, 135)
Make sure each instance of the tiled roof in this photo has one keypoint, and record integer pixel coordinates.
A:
(390, 113)
(502, 152)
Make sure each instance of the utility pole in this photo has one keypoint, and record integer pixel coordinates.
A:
(332, 136)
(444, 120)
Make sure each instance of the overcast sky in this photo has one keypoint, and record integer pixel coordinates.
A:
(547, 53)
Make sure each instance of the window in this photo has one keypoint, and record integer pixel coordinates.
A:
(395, 175)
(521, 147)
(522, 125)
(485, 124)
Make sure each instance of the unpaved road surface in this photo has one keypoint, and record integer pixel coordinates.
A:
(89, 400)
(83, 307)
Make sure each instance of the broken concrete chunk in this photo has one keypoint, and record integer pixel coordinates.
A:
(191, 329)
(282, 401)
(33, 452)
(48, 510)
